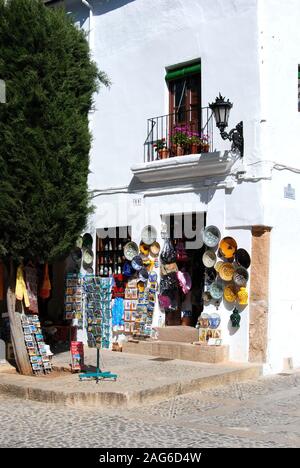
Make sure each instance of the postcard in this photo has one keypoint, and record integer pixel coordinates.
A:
(127, 315)
(28, 337)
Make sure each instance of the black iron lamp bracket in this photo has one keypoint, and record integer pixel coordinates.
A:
(236, 137)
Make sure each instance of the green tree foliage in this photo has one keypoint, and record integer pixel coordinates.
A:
(44, 134)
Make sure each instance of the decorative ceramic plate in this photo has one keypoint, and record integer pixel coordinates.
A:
(149, 235)
(137, 263)
(130, 250)
(242, 258)
(241, 276)
(226, 271)
(229, 294)
(216, 290)
(209, 258)
(154, 249)
(211, 236)
(228, 247)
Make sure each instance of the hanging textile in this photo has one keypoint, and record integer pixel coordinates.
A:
(46, 285)
(118, 312)
(31, 284)
(21, 291)
(1, 281)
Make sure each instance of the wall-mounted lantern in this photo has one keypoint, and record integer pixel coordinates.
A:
(221, 111)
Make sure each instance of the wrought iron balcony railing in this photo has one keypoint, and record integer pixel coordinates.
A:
(183, 132)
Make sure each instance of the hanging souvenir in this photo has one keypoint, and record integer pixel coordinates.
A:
(31, 284)
(235, 318)
(46, 285)
(20, 289)
(181, 254)
(185, 281)
(168, 253)
(168, 282)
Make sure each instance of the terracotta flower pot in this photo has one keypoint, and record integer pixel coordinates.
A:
(205, 148)
(179, 150)
(163, 153)
(194, 148)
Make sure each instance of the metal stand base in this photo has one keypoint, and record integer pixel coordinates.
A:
(98, 375)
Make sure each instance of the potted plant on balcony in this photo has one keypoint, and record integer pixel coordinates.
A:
(195, 143)
(204, 144)
(161, 148)
(180, 140)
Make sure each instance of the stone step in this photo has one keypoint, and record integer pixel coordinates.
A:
(179, 333)
(177, 350)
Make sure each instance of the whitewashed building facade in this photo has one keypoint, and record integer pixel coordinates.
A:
(248, 50)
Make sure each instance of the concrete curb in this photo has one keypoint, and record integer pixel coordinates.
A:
(128, 399)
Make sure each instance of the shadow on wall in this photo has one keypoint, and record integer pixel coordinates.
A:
(101, 7)
(80, 12)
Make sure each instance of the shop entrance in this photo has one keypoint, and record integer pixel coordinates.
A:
(184, 231)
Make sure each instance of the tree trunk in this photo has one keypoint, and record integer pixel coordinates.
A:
(16, 331)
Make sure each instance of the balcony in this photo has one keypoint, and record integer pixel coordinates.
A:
(179, 146)
(181, 133)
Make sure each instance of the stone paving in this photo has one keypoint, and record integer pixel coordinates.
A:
(261, 413)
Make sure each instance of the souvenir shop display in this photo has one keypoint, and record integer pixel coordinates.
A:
(140, 281)
(145, 307)
(231, 275)
(110, 256)
(130, 306)
(188, 280)
(230, 282)
(38, 351)
(74, 298)
(98, 310)
(209, 327)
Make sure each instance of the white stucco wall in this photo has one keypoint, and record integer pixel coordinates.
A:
(134, 43)
(279, 39)
(284, 291)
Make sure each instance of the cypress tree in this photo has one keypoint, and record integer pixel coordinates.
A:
(44, 135)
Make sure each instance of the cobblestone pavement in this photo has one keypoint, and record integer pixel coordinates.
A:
(261, 413)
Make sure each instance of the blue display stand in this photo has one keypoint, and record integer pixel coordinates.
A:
(98, 375)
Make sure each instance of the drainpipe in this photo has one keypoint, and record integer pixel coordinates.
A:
(91, 23)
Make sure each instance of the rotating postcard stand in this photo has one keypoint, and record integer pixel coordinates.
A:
(98, 295)
(98, 375)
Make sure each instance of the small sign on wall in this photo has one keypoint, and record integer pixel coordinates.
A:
(137, 201)
(289, 192)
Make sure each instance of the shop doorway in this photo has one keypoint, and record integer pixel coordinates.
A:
(184, 231)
